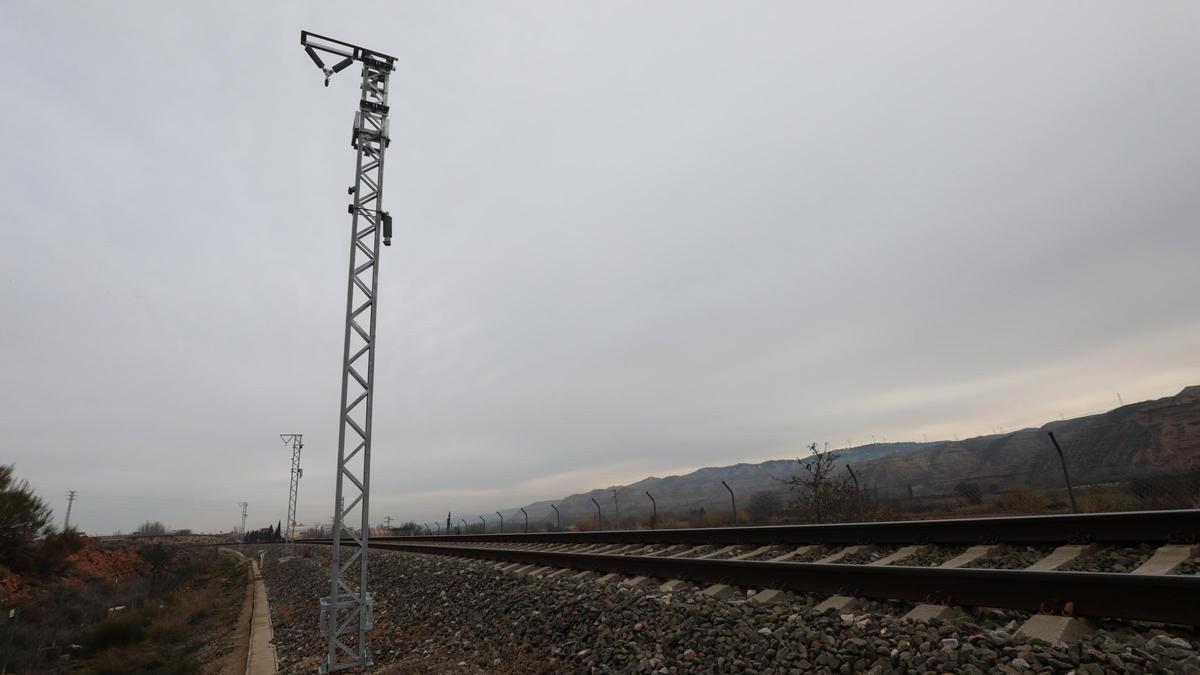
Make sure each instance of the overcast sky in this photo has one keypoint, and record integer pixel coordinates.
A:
(632, 239)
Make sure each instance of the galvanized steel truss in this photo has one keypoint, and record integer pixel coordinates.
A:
(347, 613)
(296, 441)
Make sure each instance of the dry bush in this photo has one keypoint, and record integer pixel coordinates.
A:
(716, 519)
(1178, 489)
(1018, 501)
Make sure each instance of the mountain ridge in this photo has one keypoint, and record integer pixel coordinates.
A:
(1132, 439)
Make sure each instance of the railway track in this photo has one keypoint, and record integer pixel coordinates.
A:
(818, 559)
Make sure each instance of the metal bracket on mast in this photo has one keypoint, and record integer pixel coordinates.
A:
(348, 612)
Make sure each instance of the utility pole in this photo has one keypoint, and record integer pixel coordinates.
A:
(70, 501)
(297, 443)
(348, 612)
(243, 505)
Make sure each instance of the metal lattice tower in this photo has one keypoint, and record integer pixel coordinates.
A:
(347, 613)
(297, 443)
(242, 541)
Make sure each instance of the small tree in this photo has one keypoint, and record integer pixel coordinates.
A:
(23, 517)
(28, 542)
(816, 490)
(151, 528)
(409, 528)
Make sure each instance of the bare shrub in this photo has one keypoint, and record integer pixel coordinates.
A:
(970, 492)
(1019, 501)
(1167, 489)
(763, 506)
(817, 492)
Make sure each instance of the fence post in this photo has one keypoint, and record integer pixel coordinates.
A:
(857, 493)
(526, 520)
(1066, 477)
(599, 517)
(501, 522)
(733, 501)
(653, 505)
(557, 518)
(483, 524)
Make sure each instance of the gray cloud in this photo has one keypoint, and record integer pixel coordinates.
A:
(632, 239)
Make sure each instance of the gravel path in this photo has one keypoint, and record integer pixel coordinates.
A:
(436, 614)
(1111, 560)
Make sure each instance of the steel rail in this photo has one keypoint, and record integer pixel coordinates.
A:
(1161, 598)
(1150, 527)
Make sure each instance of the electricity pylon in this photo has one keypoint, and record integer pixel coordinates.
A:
(347, 613)
(297, 442)
(242, 542)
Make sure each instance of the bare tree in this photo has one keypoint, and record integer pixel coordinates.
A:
(815, 488)
(150, 528)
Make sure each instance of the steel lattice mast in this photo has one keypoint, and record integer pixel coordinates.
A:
(347, 613)
(297, 443)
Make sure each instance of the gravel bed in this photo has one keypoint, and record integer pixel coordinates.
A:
(1189, 566)
(669, 550)
(816, 554)
(768, 555)
(933, 557)
(729, 555)
(703, 550)
(437, 614)
(1012, 557)
(1111, 559)
(868, 556)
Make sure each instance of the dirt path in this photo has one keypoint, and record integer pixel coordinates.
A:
(261, 660)
(234, 663)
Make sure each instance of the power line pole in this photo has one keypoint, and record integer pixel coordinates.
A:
(297, 442)
(348, 612)
(243, 505)
(70, 501)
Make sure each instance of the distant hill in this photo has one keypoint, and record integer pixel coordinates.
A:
(1134, 439)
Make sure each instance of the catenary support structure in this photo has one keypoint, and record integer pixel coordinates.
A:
(347, 613)
(297, 443)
